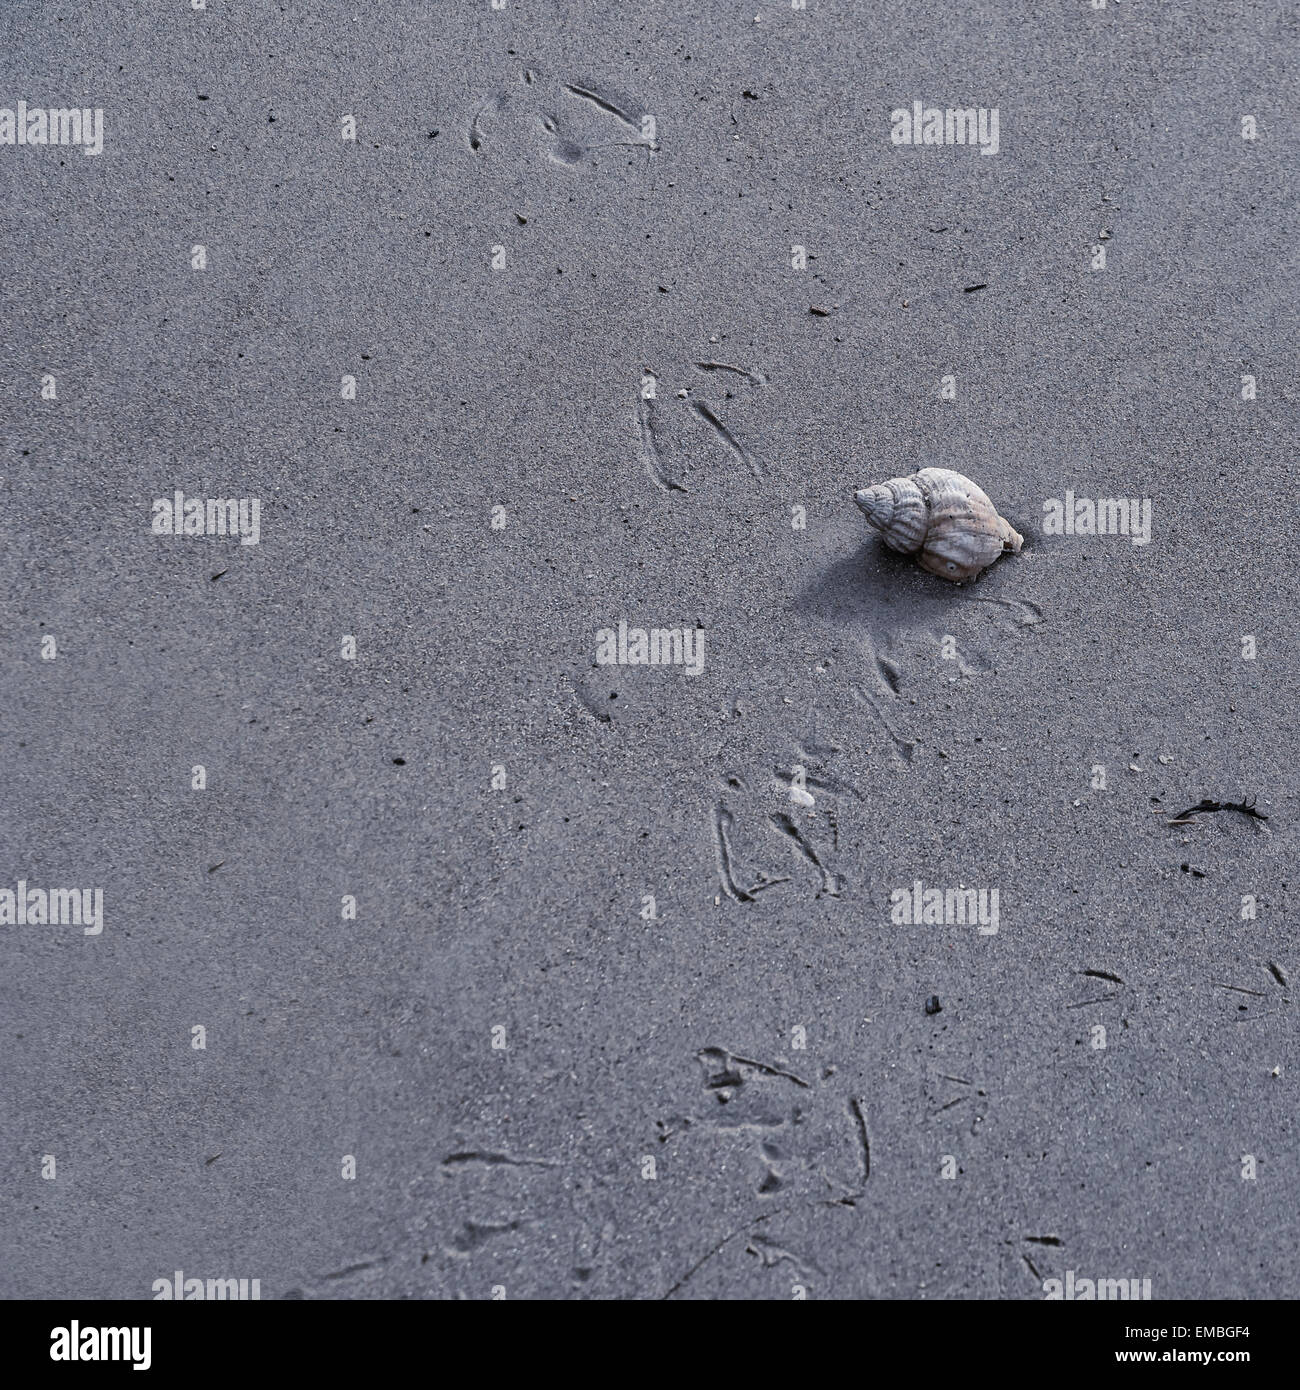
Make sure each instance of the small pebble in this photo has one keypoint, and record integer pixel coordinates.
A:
(932, 1005)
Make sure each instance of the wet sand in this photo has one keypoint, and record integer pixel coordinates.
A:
(758, 1080)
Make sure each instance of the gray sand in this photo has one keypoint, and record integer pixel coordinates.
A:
(776, 1167)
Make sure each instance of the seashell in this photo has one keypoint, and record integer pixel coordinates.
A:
(942, 518)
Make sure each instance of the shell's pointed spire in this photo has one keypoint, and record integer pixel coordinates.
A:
(877, 505)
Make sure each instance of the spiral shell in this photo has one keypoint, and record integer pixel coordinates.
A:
(942, 518)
